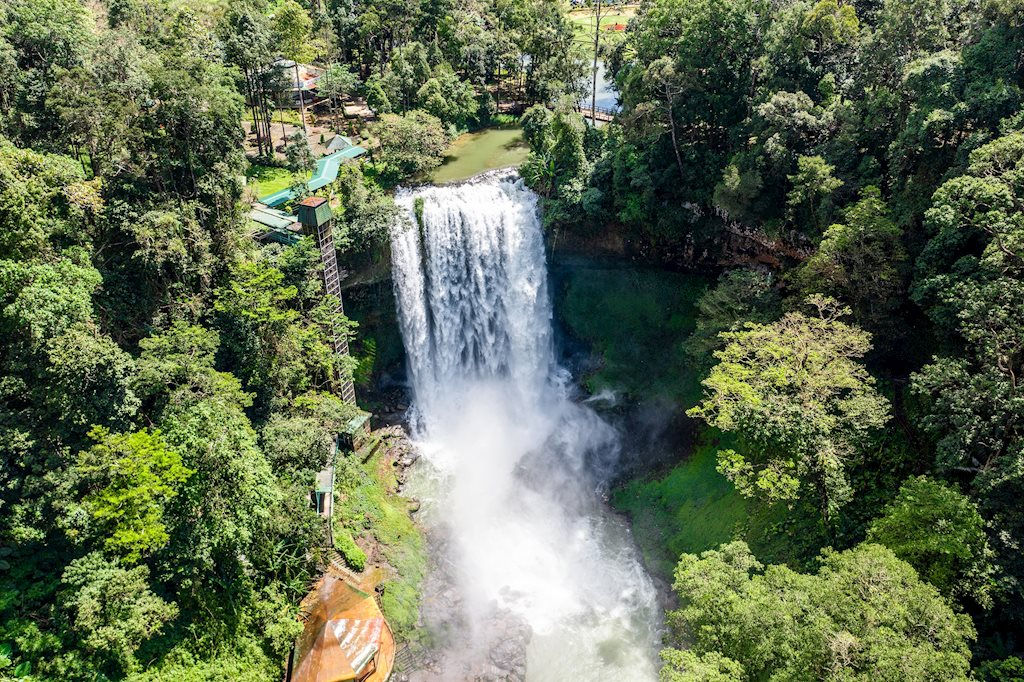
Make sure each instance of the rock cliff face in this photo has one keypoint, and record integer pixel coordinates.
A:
(720, 242)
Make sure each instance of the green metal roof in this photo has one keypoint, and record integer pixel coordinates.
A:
(355, 424)
(272, 218)
(327, 167)
(326, 172)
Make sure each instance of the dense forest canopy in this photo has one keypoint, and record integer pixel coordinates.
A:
(852, 171)
(855, 165)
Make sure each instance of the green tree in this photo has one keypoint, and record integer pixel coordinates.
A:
(810, 199)
(124, 482)
(739, 296)
(377, 99)
(112, 609)
(864, 615)
(249, 43)
(1007, 670)
(904, 31)
(43, 203)
(366, 216)
(535, 122)
(970, 280)
(177, 366)
(337, 83)
(41, 300)
(298, 439)
(219, 513)
(800, 402)
(449, 99)
(681, 99)
(860, 261)
(293, 27)
(687, 666)
(299, 155)
(557, 166)
(408, 69)
(940, 533)
(410, 144)
(46, 36)
(88, 381)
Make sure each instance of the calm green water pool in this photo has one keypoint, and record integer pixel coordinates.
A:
(483, 150)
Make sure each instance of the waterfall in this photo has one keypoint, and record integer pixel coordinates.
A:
(512, 465)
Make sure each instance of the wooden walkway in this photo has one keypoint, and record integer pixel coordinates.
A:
(598, 114)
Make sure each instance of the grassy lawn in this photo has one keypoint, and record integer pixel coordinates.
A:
(266, 180)
(483, 150)
(368, 505)
(691, 509)
(583, 21)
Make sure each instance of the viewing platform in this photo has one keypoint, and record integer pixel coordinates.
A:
(602, 114)
(345, 637)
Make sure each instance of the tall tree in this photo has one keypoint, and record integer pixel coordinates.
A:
(939, 532)
(801, 402)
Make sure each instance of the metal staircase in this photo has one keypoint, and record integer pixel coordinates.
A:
(408, 659)
(332, 286)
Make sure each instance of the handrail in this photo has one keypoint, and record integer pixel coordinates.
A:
(588, 111)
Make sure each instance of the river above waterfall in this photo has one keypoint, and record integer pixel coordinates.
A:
(533, 578)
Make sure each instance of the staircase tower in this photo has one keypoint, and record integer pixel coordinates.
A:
(318, 221)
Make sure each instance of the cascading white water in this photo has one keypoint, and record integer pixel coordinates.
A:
(513, 465)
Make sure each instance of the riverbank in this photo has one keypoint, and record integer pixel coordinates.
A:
(623, 326)
(619, 329)
(374, 529)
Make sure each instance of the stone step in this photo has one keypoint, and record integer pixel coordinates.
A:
(336, 565)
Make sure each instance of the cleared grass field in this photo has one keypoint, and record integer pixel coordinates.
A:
(266, 180)
(583, 21)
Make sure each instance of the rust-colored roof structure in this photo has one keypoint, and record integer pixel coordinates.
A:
(312, 202)
(345, 638)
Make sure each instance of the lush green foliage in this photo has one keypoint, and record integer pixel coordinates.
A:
(940, 533)
(693, 508)
(165, 385)
(410, 144)
(371, 506)
(124, 482)
(864, 615)
(869, 152)
(740, 296)
(800, 402)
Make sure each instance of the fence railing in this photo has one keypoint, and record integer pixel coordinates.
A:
(600, 111)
